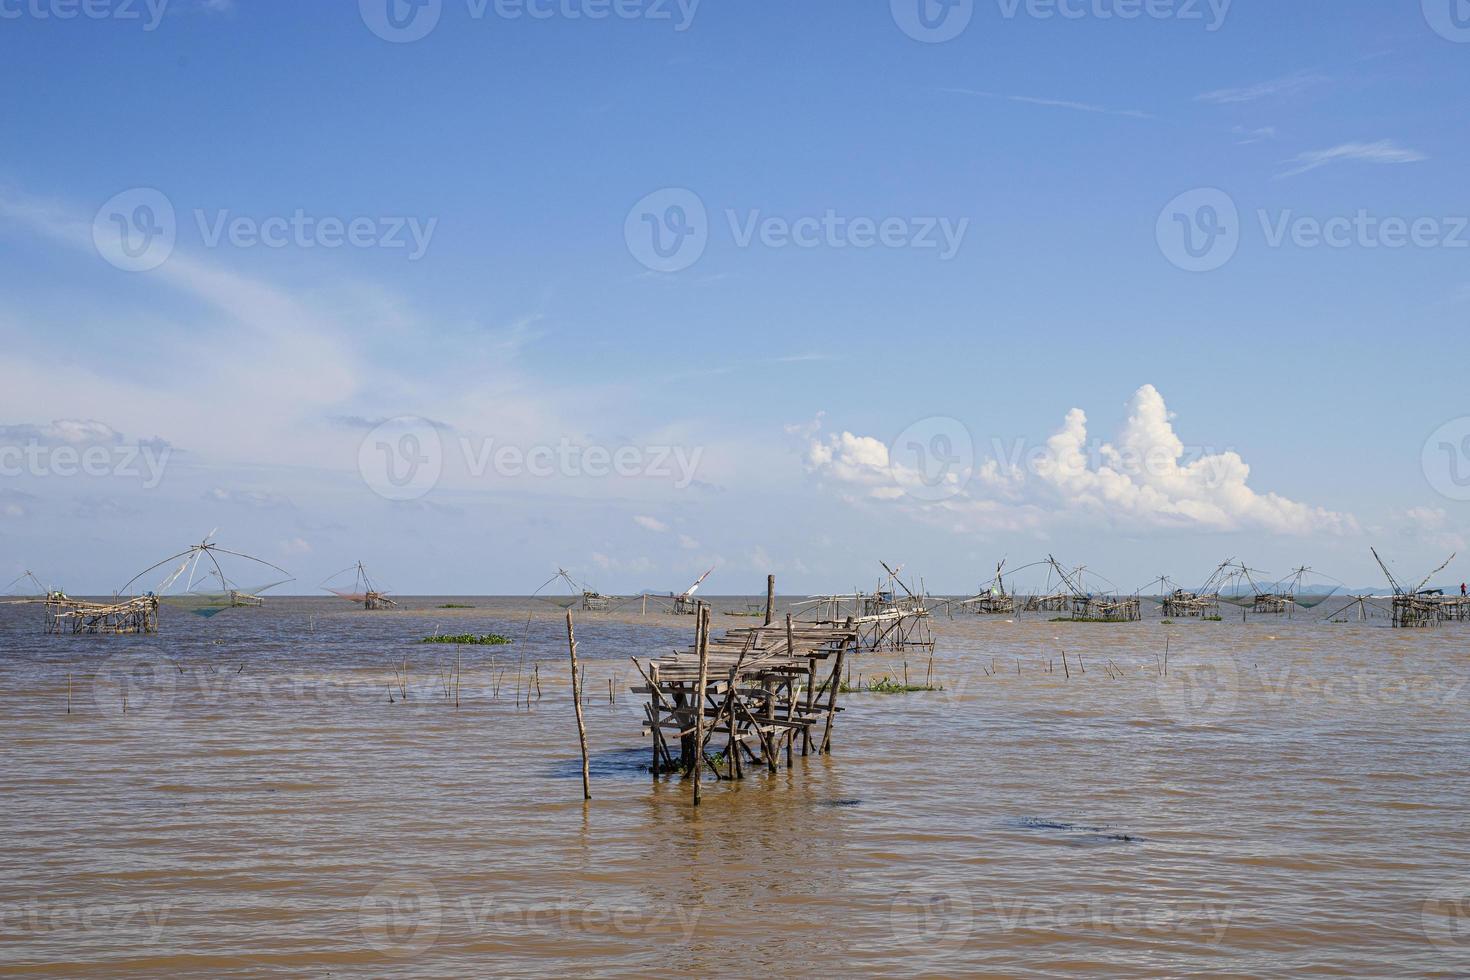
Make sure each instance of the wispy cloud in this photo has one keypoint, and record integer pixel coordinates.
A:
(1383, 151)
(259, 499)
(651, 524)
(1293, 84)
(1051, 103)
(1249, 136)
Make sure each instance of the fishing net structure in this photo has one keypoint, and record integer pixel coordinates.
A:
(359, 589)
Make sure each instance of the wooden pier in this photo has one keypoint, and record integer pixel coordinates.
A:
(757, 693)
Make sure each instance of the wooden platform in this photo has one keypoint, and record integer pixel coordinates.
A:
(126, 616)
(756, 691)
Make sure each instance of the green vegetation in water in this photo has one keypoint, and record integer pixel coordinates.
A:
(887, 685)
(1166, 622)
(1086, 619)
(456, 605)
(470, 639)
(1214, 619)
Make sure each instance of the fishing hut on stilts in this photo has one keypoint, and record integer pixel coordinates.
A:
(1416, 608)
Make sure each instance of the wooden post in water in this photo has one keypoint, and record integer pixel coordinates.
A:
(791, 695)
(770, 599)
(655, 699)
(699, 699)
(836, 682)
(577, 703)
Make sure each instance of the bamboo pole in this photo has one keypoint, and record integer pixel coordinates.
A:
(770, 599)
(791, 696)
(826, 748)
(577, 703)
(699, 699)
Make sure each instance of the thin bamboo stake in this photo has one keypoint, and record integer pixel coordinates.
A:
(699, 699)
(577, 703)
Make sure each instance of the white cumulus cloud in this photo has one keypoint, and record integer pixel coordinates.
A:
(1146, 477)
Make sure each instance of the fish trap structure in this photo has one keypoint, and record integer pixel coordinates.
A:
(1055, 596)
(199, 584)
(1181, 604)
(362, 592)
(992, 601)
(884, 620)
(756, 693)
(1106, 609)
(684, 604)
(1417, 607)
(1271, 604)
(135, 616)
(589, 598)
(1454, 609)
(1415, 612)
(196, 582)
(1089, 606)
(990, 605)
(1201, 603)
(1240, 587)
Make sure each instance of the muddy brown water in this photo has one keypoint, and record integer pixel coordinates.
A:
(1290, 799)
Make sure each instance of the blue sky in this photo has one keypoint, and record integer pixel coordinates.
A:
(1066, 156)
